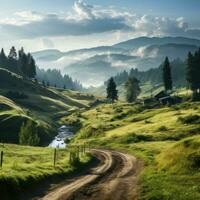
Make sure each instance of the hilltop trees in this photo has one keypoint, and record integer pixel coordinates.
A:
(167, 77)
(21, 63)
(3, 58)
(12, 54)
(193, 73)
(112, 92)
(132, 89)
(54, 77)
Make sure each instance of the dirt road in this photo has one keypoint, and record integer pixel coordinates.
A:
(114, 179)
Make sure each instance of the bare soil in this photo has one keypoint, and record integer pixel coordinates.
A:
(115, 178)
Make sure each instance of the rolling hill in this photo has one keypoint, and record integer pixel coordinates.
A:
(166, 138)
(23, 100)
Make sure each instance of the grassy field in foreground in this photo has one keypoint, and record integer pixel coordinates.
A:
(166, 138)
(24, 167)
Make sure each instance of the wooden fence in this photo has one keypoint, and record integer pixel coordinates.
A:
(75, 153)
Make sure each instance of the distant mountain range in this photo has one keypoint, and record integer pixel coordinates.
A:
(95, 65)
(148, 41)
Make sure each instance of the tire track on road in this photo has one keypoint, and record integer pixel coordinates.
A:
(114, 179)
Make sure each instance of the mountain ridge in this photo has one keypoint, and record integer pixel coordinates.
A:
(142, 53)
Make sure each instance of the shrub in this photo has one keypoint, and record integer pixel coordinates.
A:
(147, 121)
(162, 129)
(175, 107)
(28, 134)
(119, 116)
(195, 161)
(118, 110)
(190, 119)
(134, 138)
(67, 140)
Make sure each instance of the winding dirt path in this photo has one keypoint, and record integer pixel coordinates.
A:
(114, 179)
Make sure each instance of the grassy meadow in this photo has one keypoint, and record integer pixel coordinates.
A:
(24, 167)
(165, 138)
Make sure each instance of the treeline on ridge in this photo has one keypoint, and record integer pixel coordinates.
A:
(19, 63)
(54, 78)
(24, 64)
(154, 75)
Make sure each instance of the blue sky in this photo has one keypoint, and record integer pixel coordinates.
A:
(69, 24)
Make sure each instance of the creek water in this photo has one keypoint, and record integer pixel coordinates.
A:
(64, 132)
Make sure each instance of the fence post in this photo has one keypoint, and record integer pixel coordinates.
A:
(77, 149)
(82, 150)
(1, 162)
(54, 159)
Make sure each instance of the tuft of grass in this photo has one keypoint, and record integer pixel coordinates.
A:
(134, 138)
(190, 119)
(162, 129)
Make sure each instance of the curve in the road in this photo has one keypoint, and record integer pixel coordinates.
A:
(114, 179)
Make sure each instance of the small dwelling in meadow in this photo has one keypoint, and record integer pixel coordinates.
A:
(163, 98)
(161, 94)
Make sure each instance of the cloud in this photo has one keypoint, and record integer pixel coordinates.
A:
(151, 25)
(84, 21)
(29, 16)
(91, 19)
(83, 10)
(164, 26)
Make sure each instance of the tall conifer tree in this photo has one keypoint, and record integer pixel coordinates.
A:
(167, 77)
(112, 92)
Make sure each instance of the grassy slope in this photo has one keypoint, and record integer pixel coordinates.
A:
(45, 106)
(23, 167)
(149, 134)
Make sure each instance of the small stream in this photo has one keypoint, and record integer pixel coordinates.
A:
(64, 132)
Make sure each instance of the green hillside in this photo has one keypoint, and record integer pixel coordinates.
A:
(159, 135)
(23, 100)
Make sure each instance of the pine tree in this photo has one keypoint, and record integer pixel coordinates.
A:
(3, 59)
(12, 54)
(23, 63)
(167, 78)
(132, 89)
(190, 69)
(31, 67)
(193, 73)
(43, 83)
(112, 92)
(20, 60)
(28, 134)
(12, 63)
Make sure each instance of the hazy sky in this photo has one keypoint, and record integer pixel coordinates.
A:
(69, 24)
